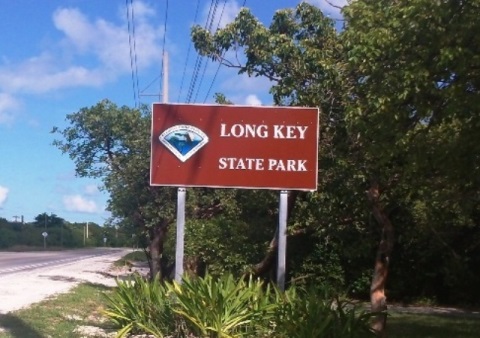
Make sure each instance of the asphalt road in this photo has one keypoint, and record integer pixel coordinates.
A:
(13, 262)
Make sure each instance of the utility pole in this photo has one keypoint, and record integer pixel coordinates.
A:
(165, 77)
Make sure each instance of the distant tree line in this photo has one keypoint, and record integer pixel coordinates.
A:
(60, 234)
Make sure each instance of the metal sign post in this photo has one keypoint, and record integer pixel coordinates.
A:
(282, 239)
(179, 249)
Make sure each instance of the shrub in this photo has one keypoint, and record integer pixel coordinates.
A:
(141, 306)
(314, 312)
(222, 307)
(225, 308)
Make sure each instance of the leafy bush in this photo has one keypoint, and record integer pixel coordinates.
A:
(226, 308)
(307, 313)
(225, 245)
(138, 306)
(222, 307)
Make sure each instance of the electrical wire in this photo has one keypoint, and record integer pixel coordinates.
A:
(210, 27)
(188, 54)
(160, 76)
(220, 63)
(198, 63)
(131, 44)
(135, 51)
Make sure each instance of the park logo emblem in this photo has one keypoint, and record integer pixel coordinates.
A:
(183, 140)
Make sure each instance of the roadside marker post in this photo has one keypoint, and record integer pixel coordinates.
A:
(44, 234)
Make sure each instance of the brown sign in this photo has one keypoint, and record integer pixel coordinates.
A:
(234, 147)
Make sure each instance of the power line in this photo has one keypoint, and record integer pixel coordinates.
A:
(132, 47)
(218, 25)
(220, 63)
(198, 62)
(142, 92)
(135, 51)
(188, 54)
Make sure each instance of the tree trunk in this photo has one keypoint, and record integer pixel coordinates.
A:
(377, 289)
(269, 261)
(157, 240)
(195, 266)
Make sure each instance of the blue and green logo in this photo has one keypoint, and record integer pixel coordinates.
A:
(183, 140)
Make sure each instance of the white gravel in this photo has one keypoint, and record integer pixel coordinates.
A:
(22, 289)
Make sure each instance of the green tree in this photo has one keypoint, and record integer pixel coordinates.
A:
(48, 221)
(413, 104)
(301, 54)
(8, 237)
(112, 143)
(398, 91)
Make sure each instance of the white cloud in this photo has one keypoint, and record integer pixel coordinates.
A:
(141, 10)
(330, 7)
(8, 104)
(230, 11)
(79, 204)
(3, 195)
(237, 87)
(108, 42)
(91, 189)
(41, 74)
(253, 100)
(93, 52)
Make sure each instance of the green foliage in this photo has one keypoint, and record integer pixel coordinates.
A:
(413, 105)
(225, 246)
(61, 234)
(221, 307)
(222, 99)
(315, 312)
(138, 305)
(7, 237)
(112, 143)
(224, 307)
(297, 51)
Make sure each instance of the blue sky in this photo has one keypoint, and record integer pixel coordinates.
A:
(57, 56)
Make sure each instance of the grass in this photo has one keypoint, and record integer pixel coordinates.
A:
(128, 259)
(59, 316)
(433, 326)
